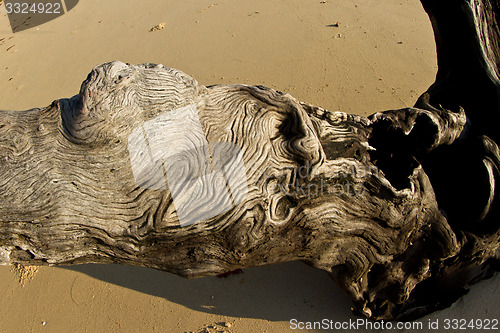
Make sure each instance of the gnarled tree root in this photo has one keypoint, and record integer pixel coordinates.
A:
(146, 167)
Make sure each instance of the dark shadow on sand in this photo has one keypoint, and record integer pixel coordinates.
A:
(277, 293)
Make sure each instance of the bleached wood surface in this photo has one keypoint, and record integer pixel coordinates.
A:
(147, 167)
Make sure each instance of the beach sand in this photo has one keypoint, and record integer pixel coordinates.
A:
(356, 56)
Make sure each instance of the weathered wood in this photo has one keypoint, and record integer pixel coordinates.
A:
(464, 173)
(147, 167)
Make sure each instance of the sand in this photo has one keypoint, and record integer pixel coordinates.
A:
(357, 56)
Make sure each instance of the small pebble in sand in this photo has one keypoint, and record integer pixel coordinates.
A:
(221, 327)
(158, 27)
(322, 2)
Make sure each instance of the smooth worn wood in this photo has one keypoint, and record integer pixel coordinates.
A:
(147, 167)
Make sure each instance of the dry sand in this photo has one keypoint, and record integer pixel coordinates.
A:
(380, 56)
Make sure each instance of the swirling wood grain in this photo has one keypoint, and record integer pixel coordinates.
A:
(400, 208)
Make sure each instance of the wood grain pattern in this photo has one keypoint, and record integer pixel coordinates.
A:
(400, 208)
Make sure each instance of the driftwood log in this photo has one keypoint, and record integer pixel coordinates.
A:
(146, 167)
